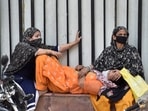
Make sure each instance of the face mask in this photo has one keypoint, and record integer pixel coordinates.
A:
(36, 42)
(121, 39)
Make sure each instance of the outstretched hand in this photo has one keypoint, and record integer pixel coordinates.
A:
(78, 37)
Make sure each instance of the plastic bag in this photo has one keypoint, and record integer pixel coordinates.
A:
(137, 84)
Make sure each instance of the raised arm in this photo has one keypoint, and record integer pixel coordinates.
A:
(65, 47)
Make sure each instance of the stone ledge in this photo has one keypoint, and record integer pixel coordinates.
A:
(64, 102)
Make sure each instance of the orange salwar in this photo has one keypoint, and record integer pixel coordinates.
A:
(53, 76)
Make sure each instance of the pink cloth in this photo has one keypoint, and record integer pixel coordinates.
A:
(106, 83)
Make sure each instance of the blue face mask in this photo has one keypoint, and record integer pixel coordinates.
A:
(121, 39)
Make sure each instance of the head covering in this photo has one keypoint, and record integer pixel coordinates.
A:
(113, 58)
(115, 31)
(29, 33)
(118, 28)
(23, 52)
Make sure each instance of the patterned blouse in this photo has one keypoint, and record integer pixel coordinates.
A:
(113, 58)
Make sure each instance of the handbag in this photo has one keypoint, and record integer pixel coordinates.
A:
(137, 84)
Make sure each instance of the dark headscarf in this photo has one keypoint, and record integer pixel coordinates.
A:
(113, 58)
(29, 33)
(115, 31)
(23, 52)
(118, 28)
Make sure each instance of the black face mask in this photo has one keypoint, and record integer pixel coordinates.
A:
(121, 39)
(36, 42)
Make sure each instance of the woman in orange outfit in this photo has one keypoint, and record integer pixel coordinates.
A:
(51, 75)
(22, 63)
